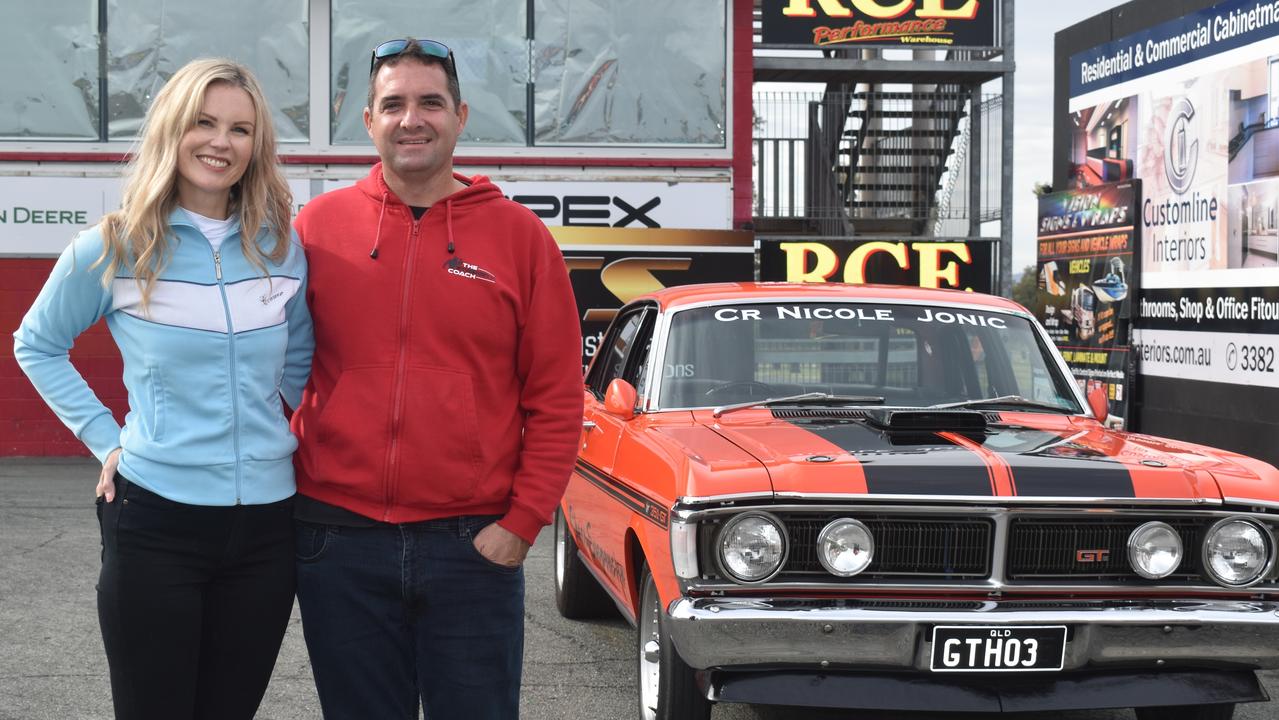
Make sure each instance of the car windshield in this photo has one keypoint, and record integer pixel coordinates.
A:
(910, 355)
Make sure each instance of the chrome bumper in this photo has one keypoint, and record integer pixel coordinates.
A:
(723, 633)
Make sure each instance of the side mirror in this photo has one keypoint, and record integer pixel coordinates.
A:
(1099, 403)
(619, 400)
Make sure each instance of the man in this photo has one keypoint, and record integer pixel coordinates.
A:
(440, 424)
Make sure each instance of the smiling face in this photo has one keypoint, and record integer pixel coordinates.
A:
(413, 123)
(214, 153)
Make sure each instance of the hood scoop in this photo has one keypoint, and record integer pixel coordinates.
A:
(926, 420)
(819, 412)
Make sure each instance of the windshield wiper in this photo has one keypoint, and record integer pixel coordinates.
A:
(1011, 400)
(819, 398)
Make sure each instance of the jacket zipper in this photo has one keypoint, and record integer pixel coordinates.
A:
(401, 361)
(235, 393)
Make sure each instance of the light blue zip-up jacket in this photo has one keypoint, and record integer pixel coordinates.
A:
(204, 368)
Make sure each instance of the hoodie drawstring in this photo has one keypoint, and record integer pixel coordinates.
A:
(448, 223)
(378, 237)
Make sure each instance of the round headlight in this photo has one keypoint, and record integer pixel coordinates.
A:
(1237, 552)
(752, 547)
(845, 547)
(1154, 550)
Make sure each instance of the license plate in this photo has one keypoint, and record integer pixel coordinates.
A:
(1010, 648)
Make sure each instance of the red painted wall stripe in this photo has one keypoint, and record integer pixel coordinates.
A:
(27, 426)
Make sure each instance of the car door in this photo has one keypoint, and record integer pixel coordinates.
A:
(591, 504)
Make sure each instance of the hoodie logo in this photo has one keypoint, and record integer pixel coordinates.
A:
(457, 266)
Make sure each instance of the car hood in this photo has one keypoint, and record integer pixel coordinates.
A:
(1019, 455)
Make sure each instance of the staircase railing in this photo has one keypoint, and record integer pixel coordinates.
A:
(837, 160)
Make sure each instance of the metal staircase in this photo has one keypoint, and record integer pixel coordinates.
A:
(873, 162)
(898, 145)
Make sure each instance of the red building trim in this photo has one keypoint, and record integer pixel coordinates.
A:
(743, 68)
(464, 160)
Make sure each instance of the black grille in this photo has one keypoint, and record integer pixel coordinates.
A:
(794, 413)
(1083, 548)
(927, 548)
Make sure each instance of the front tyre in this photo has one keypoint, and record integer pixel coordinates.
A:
(577, 594)
(667, 688)
(1187, 712)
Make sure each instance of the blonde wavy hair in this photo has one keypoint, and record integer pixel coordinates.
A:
(136, 235)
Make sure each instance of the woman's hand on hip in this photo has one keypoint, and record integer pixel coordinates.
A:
(106, 481)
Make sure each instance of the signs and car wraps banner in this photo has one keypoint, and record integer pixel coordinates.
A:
(862, 23)
(1087, 284)
(1191, 108)
(924, 263)
(609, 267)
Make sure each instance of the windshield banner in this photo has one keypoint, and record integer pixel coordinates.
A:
(1087, 285)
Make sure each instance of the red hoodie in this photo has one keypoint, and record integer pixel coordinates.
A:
(447, 375)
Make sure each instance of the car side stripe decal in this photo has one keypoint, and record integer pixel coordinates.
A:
(624, 494)
(909, 463)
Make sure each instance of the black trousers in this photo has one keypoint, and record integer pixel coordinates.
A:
(193, 602)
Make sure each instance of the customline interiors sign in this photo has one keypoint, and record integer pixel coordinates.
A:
(965, 23)
(1225, 26)
(1188, 108)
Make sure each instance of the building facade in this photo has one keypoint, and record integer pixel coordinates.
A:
(611, 120)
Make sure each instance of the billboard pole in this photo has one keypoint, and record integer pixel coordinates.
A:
(1004, 281)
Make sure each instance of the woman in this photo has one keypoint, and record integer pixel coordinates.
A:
(203, 289)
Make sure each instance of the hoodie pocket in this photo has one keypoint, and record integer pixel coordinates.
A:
(353, 428)
(440, 458)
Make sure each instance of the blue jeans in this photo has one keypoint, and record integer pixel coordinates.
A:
(397, 613)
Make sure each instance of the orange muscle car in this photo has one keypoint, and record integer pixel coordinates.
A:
(894, 498)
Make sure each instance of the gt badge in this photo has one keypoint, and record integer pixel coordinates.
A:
(1092, 556)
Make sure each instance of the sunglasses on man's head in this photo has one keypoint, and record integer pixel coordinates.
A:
(391, 48)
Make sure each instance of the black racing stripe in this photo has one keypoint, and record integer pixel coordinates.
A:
(908, 463)
(624, 494)
(1038, 477)
(1043, 464)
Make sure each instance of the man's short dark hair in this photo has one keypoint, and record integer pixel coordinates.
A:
(414, 52)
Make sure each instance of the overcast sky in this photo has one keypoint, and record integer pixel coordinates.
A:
(1036, 23)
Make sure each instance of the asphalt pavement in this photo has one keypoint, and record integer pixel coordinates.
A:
(52, 665)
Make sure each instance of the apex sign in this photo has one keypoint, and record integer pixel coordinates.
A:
(967, 23)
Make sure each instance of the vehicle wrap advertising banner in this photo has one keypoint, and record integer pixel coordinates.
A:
(609, 267)
(1087, 284)
(863, 23)
(930, 264)
(1191, 108)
